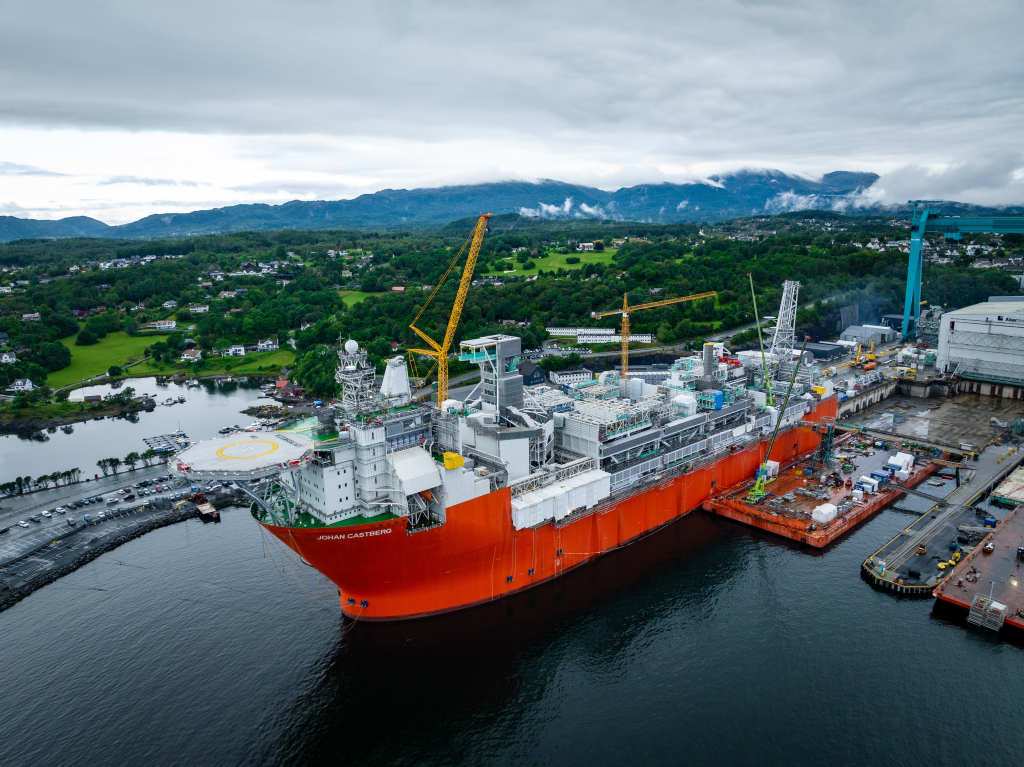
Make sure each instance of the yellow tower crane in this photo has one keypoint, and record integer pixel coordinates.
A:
(627, 309)
(439, 351)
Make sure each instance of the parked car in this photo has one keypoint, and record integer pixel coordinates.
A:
(129, 497)
(4, 530)
(111, 501)
(22, 523)
(87, 519)
(136, 485)
(159, 488)
(47, 514)
(35, 519)
(101, 515)
(71, 522)
(61, 510)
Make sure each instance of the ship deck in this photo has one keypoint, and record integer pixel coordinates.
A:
(797, 494)
(996, 574)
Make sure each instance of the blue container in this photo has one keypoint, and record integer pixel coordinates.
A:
(719, 399)
(990, 522)
(881, 476)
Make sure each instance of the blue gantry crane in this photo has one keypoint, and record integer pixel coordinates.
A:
(927, 219)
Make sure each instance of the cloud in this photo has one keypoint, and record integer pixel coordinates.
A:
(144, 181)
(399, 95)
(17, 169)
(544, 210)
(979, 180)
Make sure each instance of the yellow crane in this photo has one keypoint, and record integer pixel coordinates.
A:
(439, 351)
(627, 309)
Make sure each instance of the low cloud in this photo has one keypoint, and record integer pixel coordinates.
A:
(145, 181)
(17, 169)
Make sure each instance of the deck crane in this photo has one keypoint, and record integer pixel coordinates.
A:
(627, 309)
(439, 351)
(757, 492)
(757, 322)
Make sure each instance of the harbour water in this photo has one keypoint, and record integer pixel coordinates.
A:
(80, 445)
(705, 643)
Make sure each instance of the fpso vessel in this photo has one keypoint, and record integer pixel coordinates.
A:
(416, 510)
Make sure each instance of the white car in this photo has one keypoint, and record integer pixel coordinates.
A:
(101, 514)
(111, 501)
(47, 514)
(61, 510)
(22, 523)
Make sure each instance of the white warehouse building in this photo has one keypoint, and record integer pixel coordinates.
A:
(984, 342)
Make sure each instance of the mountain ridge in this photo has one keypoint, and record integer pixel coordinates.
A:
(732, 195)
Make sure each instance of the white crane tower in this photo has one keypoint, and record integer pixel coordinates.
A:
(784, 340)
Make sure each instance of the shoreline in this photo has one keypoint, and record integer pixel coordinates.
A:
(11, 423)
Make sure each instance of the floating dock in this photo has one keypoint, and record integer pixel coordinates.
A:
(799, 489)
(168, 443)
(986, 582)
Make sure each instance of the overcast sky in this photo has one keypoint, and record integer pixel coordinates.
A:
(122, 108)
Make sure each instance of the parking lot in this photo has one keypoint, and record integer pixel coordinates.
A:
(26, 532)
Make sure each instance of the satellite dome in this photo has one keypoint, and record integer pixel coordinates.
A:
(351, 346)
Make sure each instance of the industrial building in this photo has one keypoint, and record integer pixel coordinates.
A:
(531, 373)
(865, 334)
(984, 342)
(566, 377)
(825, 351)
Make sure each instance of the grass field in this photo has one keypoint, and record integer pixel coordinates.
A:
(557, 260)
(88, 361)
(268, 363)
(350, 297)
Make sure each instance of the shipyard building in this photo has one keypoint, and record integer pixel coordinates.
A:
(984, 342)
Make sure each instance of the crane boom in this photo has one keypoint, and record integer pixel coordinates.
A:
(627, 309)
(439, 351)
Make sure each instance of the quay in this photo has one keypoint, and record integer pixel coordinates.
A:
(925, 553)
(986, 581)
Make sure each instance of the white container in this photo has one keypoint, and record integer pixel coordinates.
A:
(903, 475)
(858, 496)
(824, 513)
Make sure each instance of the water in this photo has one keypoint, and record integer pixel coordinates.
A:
(703, 644)
(80, 445)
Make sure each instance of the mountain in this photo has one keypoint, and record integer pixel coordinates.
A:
(743, 193)
(12, 228)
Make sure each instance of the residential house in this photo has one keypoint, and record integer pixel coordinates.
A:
(226, 294)
(170, 304)
(531, 373)
(191, 355)
(21, 384)
(236, 350)
(199, 308)
(292, 390)
(267, 345)
(164, 324)
(79, 314)
(5, 288)
(241, 291)
(8, 358)
(398, 289)
(586, 246)
(206, 284)
(3, 339)
(33, 317)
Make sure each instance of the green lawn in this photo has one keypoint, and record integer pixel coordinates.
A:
(88, 361)
(350, 297)
(266, 363)
(557, 260)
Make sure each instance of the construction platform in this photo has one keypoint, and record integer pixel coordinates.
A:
(924, 554)
(986, 582)
(244, 456)
(794, 495)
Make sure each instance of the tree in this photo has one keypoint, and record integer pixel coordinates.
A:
(131, 459)
(114, 371)
(131, 327)
(86, 338)
(149, 455)
(104, 464)
(115, 464)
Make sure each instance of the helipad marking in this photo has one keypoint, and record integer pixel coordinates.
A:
(247, 448)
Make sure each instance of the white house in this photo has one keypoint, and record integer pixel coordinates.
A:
(199, 309)
(165, 324)
(170, 304)
(237, 350)
(565, 377)
(21, 384)
(191, 355)
(267, 345)
(8, 358)
(33, 317)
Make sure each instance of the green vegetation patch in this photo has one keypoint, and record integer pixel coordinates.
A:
(267, 363)
(88, 361)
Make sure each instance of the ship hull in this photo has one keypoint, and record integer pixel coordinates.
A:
(385, 573)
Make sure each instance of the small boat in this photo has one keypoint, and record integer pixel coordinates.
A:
(169, 401)
(181, 400)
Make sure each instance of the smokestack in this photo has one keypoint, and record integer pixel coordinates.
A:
(709, 360)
